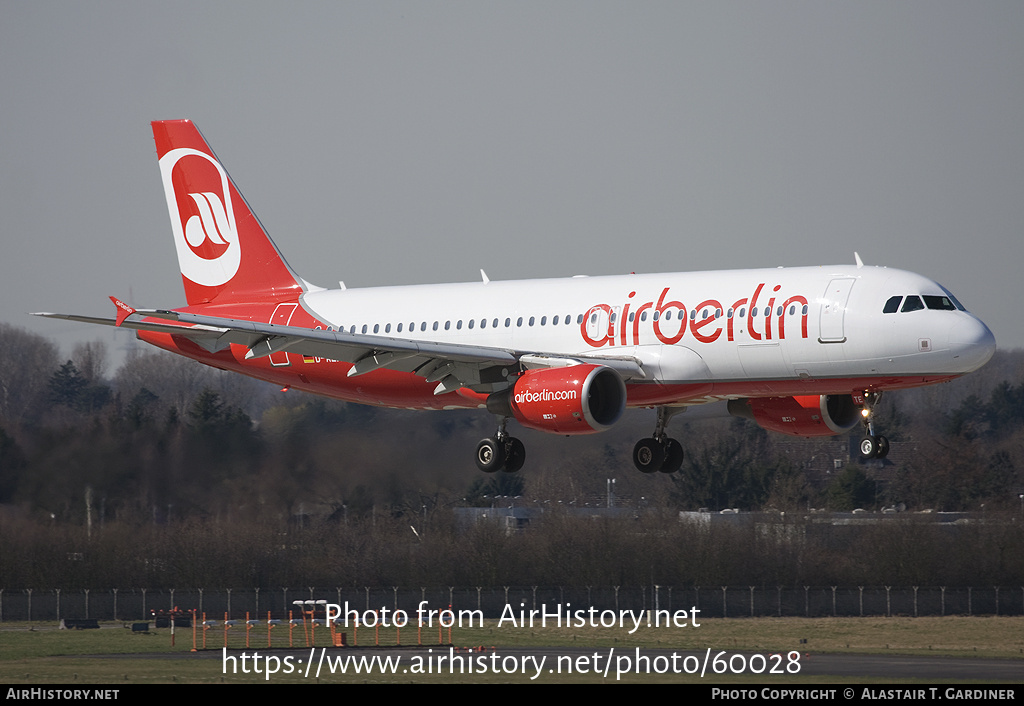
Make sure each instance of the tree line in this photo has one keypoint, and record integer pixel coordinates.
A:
(164, 471)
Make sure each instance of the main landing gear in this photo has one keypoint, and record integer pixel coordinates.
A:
(659, 452)
(500, 452)
(872, 445)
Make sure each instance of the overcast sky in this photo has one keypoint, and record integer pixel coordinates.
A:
(397, 143)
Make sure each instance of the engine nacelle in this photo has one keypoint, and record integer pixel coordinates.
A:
(578, 399)
(806, 415)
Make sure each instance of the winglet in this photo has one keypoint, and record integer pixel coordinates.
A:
(860, 263)
(123, 310)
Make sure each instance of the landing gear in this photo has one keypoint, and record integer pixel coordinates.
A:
(500, 452)
(648, 455)
(659, 452)
(490, 455)
(872, 445)
(673, 456)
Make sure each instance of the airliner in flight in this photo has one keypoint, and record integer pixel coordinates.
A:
(804, 351)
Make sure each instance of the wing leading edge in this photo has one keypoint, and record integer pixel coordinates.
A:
(451, 365)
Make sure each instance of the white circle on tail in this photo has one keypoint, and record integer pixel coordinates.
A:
(213, 222)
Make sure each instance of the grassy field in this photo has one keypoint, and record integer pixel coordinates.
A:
(39, 654)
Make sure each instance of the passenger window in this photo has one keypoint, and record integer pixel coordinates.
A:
(913, 303)
(458, 325)
(568, 319)
(447, 325)
(472, 323)
(376, 328)
(364, 328)
(892, 305)
(519, 321)
(579, 319)
(531, 320)
(435, 326)
(494, 324)
(544, 321)
(423, 326)
(483, 323)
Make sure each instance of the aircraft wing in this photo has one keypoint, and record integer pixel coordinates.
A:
(451, 365)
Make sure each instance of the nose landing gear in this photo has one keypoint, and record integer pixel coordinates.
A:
(872, 445)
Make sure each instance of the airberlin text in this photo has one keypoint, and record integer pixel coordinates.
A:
(707, 321)
(544, 395)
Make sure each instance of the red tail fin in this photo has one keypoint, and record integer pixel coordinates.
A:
(224, 253)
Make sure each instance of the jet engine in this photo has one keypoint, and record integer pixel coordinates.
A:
(577, 399)
(805, 415)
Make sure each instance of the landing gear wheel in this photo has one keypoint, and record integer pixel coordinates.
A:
(883, 447)
(515, 455)
(648, 455)
(490, 455)
(869, 447)
(673, 456)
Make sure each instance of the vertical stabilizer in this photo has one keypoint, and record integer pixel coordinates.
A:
(224, 253)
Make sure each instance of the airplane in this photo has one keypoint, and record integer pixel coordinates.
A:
(804, 351)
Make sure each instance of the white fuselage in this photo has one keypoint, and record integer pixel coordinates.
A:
(741, 328)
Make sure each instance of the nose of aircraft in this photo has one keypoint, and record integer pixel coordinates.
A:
(972, 344)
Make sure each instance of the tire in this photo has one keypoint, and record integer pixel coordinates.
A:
(883, 447)
(673, 456)
(868, 447)
(490, 455)
(515, 455)
(648, 455)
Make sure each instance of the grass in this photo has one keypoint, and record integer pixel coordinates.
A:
(38, 654)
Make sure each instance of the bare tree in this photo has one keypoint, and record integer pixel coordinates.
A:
(27, 361)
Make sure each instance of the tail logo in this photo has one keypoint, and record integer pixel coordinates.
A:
(202, 218)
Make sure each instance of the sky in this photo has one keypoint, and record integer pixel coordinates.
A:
(414, 142)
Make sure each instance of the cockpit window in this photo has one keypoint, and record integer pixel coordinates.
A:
(913, 303)
(942, 303)
(892, 305)
(953, 299)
